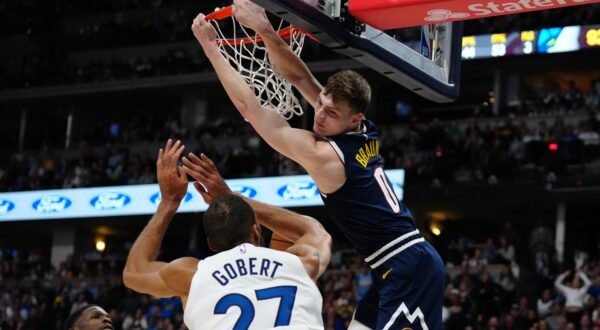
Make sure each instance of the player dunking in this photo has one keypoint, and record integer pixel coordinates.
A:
(342, 156)
(244, 286)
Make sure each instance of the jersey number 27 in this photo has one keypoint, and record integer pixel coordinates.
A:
(287, 295)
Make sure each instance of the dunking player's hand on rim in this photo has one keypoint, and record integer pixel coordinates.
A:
(251, 15)
(204, 32)
(210, 184)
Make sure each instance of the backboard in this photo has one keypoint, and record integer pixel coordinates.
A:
(432, 71)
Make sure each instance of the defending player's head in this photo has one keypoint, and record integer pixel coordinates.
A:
(342, 103)
(230, 221)
(89, 317)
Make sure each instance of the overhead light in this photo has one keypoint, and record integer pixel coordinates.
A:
(100, 245)
(435, 229)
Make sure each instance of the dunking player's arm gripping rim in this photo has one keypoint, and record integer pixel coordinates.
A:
(143, 273)
(304, 147)
(285, 61)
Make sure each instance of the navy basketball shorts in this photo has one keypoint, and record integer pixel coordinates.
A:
(407, 292)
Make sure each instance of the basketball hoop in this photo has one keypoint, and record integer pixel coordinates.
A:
(249, 57)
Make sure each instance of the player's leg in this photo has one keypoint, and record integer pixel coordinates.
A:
(365, 315)
(412, 296)
(437, 285)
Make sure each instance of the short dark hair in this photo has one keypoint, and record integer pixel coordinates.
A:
(76, 315)
(228, 222)
(349, 86)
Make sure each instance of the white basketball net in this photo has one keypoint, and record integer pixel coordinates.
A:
(249, 57)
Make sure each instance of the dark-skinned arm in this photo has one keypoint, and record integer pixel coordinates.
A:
(312, 244)
(142, 272)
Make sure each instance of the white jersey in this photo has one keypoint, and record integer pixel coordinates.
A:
(250, 287)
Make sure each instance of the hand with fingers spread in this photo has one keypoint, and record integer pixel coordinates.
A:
(172, 180)
(206, 173)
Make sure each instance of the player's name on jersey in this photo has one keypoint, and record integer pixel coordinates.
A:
(368, 151)
(246, 267)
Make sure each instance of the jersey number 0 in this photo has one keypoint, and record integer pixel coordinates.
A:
(388, 192)
(287, 295)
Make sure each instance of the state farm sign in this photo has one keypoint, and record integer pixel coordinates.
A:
(393, 14)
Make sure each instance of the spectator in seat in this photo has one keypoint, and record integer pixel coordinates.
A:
(457, 318)
(489, 251)
(543, 325)
(506, 251)
(510, 233)
(556, 316)
(477, 259)
(493, 323)
(596, 315)
(585, 323)
(509, 323)
(594, 289)
(544, 303)
(590, 305)
(135, 322)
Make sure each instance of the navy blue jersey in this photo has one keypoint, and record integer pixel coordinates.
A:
(366, 208)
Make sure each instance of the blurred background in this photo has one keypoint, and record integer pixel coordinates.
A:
(505, 182)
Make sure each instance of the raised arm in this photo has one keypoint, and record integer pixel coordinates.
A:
(558, 283)
(288, 64)
(311, 242)
(299, 145)
(585, 279)
(143, 273)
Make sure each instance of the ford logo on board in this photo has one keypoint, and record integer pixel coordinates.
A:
(155, 198)
(6, 206)
(110, 201)
(298, 190)
(244, 190)
(51, 204)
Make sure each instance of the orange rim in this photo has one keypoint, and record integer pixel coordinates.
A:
(228, 11)
(220, 14)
